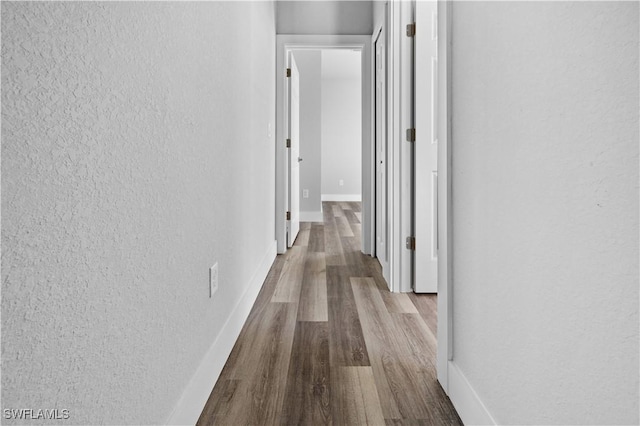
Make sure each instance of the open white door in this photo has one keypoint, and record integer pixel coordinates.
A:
(426, 148)
(293, 216)
(382, 231)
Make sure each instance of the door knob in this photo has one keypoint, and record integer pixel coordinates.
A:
(299, 159)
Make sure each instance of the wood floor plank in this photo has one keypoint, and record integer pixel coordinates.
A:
(303, 235)
(269, 285)
(407, 366)
(354, 224)
(326, 343)
(357, 401)
(288, 287)
(327, 213)
(375, 271)
(427, 306)
(422, 347)
(308, 392)
(217, 406)
(356, 228)
(345, 205)
(313, 294)
(334, 254)
(354, 258)
(316, 238)
(346, 342)
(380, 340)
(344, 229)
(398, 303)
(255, 318)
(263, 368)
(351, 217)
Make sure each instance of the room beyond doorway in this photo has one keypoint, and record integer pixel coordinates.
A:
(330, 128)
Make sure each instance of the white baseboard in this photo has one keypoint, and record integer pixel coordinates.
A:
(341, 197)
(194, 397)
(311, 216)
(466, 401)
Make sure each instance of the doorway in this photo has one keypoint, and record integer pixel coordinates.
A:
(286, 45)
(330, 128)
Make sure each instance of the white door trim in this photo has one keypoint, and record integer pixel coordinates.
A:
(445, 209)
(400, 159)
(284, 44)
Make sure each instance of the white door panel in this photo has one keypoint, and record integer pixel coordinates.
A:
(426, 148)
(382, 228)
(294, 153)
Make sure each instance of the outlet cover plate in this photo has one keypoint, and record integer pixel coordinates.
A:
(213, 280)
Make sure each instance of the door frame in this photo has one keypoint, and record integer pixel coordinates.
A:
(400, 13)
(445, 200)
(285, 44)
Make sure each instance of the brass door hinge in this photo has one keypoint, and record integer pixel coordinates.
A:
(288, 215)
(411, 135)
(288, 72)
(411, 29)
(288, 143)
(411, 243)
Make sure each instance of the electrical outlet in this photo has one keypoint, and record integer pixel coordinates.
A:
(213, 280)
(341, 182)
(305, 193)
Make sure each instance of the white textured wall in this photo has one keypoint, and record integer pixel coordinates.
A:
(325, 17)
(545, 209)
(341, 123)
(309, 65)
(135, 154)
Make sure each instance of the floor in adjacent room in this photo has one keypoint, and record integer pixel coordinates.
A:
(327, 343)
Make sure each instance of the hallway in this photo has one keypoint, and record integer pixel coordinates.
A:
(326, 343)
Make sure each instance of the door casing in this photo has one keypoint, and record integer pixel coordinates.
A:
(285, 44)
(399, 14)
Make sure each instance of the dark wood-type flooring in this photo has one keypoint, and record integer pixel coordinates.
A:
(326, 343)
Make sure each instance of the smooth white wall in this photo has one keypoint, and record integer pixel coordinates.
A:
(135, 154)
(378, 13)
(309, 65)
(341, 122)
(328, 17)
(545, 209)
